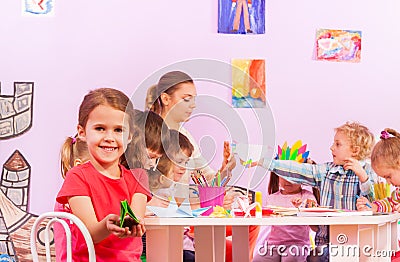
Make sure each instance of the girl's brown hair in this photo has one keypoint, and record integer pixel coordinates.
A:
(155, 130)
(180, 142)
(151, 98)
(72, 149)
(108, 97)
(149, 132)
(387, 151)
(164, 167)
(168, 84)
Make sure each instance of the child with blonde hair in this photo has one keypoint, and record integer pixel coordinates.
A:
(339, 181)
(385, 160)
(94, 190)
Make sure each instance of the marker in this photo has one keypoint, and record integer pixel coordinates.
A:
(259, 206)
(367, 204)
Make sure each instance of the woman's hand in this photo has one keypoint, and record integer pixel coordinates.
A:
(229, 161)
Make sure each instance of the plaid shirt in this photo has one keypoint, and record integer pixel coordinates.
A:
(338, 187)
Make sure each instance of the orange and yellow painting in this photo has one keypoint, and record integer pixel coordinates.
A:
(248, 83)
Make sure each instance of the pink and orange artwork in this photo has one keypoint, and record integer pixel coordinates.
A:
(248, 83)
(338, 45)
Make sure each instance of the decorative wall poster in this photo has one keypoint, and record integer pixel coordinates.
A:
(38, 7)
(15, 221)
(248, 83)
(338, 45)
(241, 16)
(16, 111)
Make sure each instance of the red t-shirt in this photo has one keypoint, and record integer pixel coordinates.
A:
(106, 195)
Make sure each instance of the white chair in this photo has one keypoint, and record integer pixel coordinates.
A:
(58, 217)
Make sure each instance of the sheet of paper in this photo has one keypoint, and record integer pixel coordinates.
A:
(173, 210)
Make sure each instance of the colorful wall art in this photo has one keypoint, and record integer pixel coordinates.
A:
(38, 7)
(338, 45)
(248, 83)
(15, 220)
(16, 111)
(241, 16)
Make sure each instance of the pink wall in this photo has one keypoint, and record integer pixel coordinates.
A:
(90, 44)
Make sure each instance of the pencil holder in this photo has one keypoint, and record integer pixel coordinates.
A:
(211, 196)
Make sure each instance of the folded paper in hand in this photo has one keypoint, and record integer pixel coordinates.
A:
(127, 217)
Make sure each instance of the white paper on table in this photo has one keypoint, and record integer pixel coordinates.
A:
(173, 210)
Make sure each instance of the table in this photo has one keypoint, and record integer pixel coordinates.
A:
(352, 238)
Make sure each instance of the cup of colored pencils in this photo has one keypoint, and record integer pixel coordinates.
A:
(211, 193)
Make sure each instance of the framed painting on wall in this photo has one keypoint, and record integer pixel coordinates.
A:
(248, 83)
(338, 45)
(241, 16)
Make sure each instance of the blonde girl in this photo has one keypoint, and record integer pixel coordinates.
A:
(385, 160)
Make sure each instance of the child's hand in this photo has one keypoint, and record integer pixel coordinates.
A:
(138, 230)
(135, 230)
(362, 202)
(296, 201)
(310, 161)
(354, 164)
(158, 201)
(112, 224)
(311, 203)
(253, 163)
(396, 208)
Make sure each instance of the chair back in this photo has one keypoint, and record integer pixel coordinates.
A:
(43, 226)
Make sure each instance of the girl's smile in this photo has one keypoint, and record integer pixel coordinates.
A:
(107, 135)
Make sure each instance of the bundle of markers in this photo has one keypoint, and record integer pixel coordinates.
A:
(381, 190)
(200, 180)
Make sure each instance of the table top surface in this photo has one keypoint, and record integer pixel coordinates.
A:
(272, 220)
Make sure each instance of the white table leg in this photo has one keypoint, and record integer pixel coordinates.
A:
(164, 244)
(210, 243)
(240, 243)
(344, 243)
(366, 238)
(384, 243)
(394, 236)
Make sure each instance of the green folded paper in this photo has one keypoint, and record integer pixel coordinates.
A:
(127, 218)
